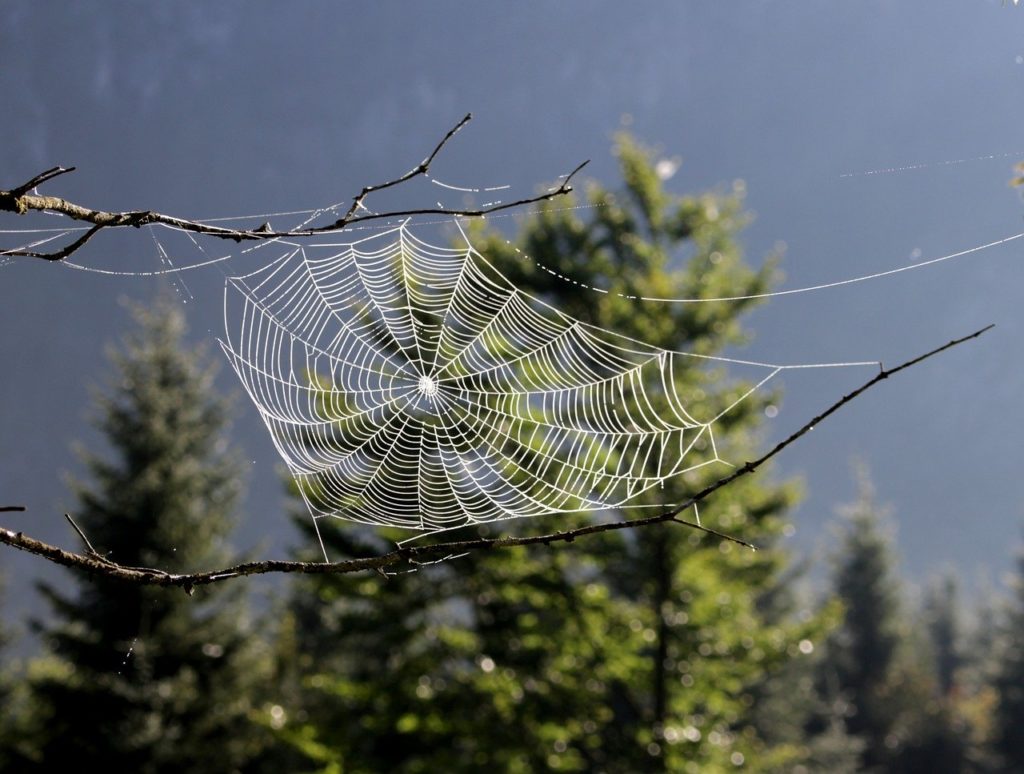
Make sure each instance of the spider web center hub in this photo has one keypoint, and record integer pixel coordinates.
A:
(428, 386)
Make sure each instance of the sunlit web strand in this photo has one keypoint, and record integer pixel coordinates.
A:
(931, 164)
(58, 231)
(788, 292)
(33, 245)
(465, 189)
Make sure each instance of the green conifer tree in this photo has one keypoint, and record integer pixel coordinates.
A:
(1009, 680)
(138, 678)
(977, 695)
(873, 675)
(8, 711)
(941, 738)
(942, 619)
(862, 652)
(860, 669)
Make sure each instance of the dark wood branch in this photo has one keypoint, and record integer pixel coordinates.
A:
(413, 555)
(12, 508)
(58, 255)
(419, 169)
(41, 178)
(21, 200)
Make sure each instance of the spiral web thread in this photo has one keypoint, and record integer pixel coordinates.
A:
(410, 385)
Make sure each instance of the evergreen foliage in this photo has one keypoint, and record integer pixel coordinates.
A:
(942, 620)
(1009, 680)
(863, 651)
(139, 678)
(8, 711)
(877, 674)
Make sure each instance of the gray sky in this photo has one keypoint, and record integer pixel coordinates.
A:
(206, 109)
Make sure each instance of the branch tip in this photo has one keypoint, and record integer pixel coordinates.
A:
(566, 184)
(39, 179)
(713, 532)
(92, 551)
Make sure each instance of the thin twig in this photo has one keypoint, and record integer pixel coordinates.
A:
(715, 532)
(417, 554)
(419, 169)
(19, 200)
(41, 178)
(58, 255)
(12, 508)
(88, 545)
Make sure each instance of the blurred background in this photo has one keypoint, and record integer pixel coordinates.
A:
(867, 137)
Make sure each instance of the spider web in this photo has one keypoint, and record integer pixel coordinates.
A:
(410, 385)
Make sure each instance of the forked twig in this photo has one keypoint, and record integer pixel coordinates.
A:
(420, 554)
(21, 200)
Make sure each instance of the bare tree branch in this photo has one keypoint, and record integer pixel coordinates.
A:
(95, 563)
(21, 200)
